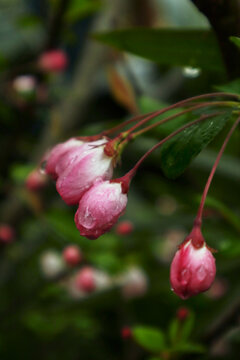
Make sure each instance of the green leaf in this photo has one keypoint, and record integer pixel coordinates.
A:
(233, 87)
(177, 153)
(81, 8)
(173, 330)
(196, 48)
(235, 40)
(189, 348)
(187, 326)
(149, 338)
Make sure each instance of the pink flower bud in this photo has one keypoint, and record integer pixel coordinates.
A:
(72, 255)
(193, 267)
(85, 280)
(6, 233)
(124, 228)
(35, 180)
(100, 208)
(53, 61)
(83, 167)
(54, 156)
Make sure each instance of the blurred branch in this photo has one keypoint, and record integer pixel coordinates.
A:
(228, 318)
(56, 23)
(224, 16)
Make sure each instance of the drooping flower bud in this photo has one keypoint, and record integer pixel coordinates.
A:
(100, 208)
(72, 255)
(7, 233)
(53, 158)
(35, 180)
(193, 267)
(124, 228)
(53, 61)
(84, 167)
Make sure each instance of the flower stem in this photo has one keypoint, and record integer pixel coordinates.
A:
(198, 219)
(125, 123)
(196, 107)
(126, 179)
(179, 104)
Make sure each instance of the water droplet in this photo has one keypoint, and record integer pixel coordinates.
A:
(43, 167)
(201, 273)
(87, 220)
(185, 276)
(191, 72)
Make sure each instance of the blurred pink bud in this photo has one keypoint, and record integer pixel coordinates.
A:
(83, 167)
(7, 233)
(193, 267)
(100, 208)
(126, 332)
(134, 283)
(89, 279)
(85, 280)
(57, 152)
(182, 313)
(35, 180)
(124, 228)
(53, 61)
(72, 255)
(24, 84)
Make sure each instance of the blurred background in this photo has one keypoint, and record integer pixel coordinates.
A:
(43, 312)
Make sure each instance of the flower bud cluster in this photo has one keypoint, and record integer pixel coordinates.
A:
(83, 174)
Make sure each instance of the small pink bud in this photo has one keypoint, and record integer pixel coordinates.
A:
(72, 255)
(53, 158)
(100, 208)
(85, 280)
(124, 228)
(53, 61)
(35, 180)
(182, 313)
(6, 233)
(83, 167)
(193, 267)
(126, 332)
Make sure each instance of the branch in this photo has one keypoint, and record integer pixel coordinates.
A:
(224, 17)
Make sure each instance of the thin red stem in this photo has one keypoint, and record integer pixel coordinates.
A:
(125, 123)
(199, 106)
(178, 104)
(125, 180)
(198, 219)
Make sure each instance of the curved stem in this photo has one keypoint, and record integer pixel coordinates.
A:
(198, 219)
(178, 104)
(125, 180)
(125, 123)
(196, 107)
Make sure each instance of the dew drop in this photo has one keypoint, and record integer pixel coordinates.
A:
(42, 168)
(201, 273)
(185, 276)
